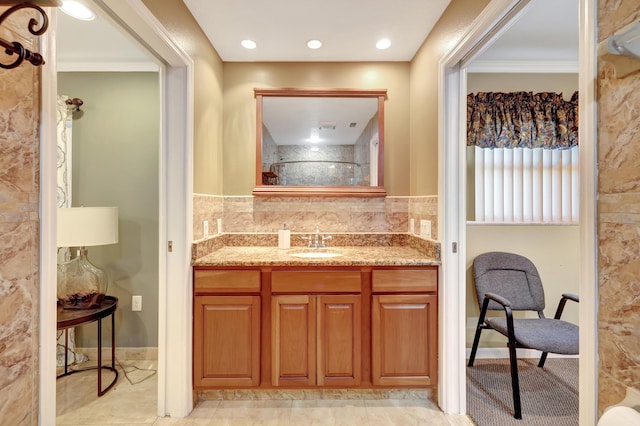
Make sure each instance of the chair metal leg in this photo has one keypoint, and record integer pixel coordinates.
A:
(474, 348)
(543, 358)
(479, 327)
(515, 382)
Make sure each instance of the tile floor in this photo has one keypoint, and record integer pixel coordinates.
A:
(135, 404)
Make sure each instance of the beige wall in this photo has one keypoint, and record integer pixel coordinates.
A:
(618, 218)
(115, 163)
(411, 109)
(423, 157)
(565, 83)
(207, 125)
(240, 112)
(19, 233)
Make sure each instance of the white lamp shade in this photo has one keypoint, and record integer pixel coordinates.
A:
(87, 226)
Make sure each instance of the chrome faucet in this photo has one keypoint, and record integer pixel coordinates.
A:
(318, 240)
(317, 235)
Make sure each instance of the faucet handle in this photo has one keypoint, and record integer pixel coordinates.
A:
(309, 239)
(324, 238)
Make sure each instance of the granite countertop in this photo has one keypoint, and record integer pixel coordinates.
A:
(392, 252)
(350, 256)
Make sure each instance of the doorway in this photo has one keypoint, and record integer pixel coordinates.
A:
(452, 175)
(174, 212)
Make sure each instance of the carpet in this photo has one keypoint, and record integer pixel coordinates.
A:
(549, 395)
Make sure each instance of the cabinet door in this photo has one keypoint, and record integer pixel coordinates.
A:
(339, 340)
(293, 340)
(404, 340)
(226, 341)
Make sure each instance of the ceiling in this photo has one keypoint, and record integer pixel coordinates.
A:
(348, 30)
(546, 31)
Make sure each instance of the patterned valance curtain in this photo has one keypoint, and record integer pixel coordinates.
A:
(522, 119)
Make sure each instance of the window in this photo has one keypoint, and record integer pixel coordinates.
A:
(523, 157)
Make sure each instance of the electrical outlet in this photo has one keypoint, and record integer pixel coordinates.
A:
(412, 226)
(205, 228)
(425, 228)
(136, 303)
(219, 226)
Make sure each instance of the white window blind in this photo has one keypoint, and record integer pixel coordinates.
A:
(526, 185)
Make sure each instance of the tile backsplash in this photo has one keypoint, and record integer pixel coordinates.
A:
(248, 214)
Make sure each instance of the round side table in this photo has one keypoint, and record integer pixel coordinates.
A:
(68, 318)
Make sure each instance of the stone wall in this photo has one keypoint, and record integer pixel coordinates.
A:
(618, 216)
(19, 230)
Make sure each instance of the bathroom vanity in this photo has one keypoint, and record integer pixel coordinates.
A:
(362, 317)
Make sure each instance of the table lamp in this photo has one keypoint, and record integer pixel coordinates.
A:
(81, 284)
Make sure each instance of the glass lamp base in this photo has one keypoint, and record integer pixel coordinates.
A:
(81, 285)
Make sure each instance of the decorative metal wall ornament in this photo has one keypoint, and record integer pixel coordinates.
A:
(16, 48)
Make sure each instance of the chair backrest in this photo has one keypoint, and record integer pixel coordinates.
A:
(511, 276)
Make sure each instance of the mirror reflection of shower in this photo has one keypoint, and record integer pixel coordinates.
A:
(319, 141)
(317, 173)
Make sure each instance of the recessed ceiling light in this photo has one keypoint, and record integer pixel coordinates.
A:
(383, 43)
(248, 44)
(77, 10)
(314, 44)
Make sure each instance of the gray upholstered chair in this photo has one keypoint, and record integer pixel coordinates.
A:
(510, 282)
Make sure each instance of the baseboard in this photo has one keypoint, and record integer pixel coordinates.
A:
(496, 353)
(313, 394)
(150, 353)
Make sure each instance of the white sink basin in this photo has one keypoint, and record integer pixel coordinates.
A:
(316, 254)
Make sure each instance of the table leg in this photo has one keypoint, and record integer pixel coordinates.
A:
(113, 355)
(113, 341)
(100, 357)
(66, 350)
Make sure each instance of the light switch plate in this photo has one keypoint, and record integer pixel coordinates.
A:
(205, 228)
(412, 226)
(425, 228)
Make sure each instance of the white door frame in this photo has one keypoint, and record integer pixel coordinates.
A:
(452, 208)
(175, 391)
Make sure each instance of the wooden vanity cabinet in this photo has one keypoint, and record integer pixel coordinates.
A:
(404, 327)
(333, 327)
(316, 336)
(226, 328)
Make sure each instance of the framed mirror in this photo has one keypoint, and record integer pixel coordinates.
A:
(312, 142)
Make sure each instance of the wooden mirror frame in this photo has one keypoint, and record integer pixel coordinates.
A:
(336, 191)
